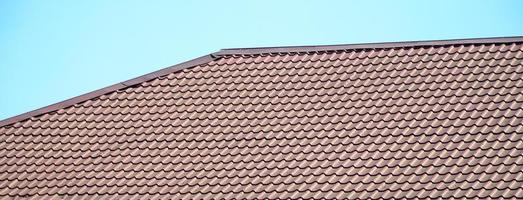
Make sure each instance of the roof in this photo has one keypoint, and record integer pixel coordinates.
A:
(436, 119)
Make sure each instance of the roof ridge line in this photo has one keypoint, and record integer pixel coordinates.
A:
(381, 45)
(115, 87)
(257, 50)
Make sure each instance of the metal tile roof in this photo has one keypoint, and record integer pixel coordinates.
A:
(433, 119)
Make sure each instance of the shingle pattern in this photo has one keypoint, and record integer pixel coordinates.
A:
(441, 121)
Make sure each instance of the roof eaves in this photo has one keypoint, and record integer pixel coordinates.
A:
(109, 89)
(320, 48)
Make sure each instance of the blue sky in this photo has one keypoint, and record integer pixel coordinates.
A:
(54, 50)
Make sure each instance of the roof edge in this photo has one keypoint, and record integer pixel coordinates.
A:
(258, 50)
(118, 86)
(315, 48)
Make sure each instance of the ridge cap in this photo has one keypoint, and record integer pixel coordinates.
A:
(379, 45)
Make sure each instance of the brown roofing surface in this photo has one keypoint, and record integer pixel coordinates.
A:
(406, 120)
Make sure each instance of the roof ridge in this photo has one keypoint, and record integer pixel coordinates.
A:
(253, 51)
(115, 87)
(380, 45)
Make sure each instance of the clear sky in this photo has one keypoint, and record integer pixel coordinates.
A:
(54, 50)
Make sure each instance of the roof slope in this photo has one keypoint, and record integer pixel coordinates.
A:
(405, 120)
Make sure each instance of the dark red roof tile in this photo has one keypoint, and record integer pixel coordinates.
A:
(435, 119)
